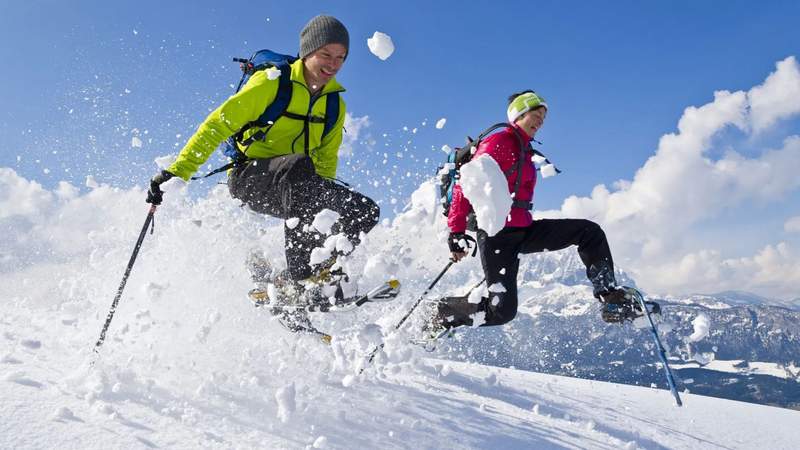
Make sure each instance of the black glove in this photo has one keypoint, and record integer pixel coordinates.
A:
(155, 195)
(460, 243)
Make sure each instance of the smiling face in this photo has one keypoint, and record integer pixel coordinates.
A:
(323, 64)
(532, 120)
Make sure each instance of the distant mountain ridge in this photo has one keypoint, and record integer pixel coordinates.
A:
(743, 298)
(558, 330)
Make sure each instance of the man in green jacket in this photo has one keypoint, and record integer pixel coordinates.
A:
(291, 164)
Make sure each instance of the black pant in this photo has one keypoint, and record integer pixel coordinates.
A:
(500, 260)
(287, 187)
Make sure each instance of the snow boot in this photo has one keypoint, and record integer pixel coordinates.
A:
(601, 275)
(276, 286)
(450, 312)
(620, 305)
(259, 267)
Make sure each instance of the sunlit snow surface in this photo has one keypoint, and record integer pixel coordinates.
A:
(189, 363)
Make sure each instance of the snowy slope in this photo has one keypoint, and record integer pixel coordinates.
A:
(419, 404)
(189, 363)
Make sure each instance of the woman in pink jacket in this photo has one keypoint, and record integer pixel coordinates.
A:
(521, 234)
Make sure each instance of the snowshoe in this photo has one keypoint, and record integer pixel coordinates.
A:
(431, 339)
(621, 305)
(315, 301)
(383, 293)
(298, 322)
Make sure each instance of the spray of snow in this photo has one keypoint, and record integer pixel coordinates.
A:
(285, 397)
(336, 243)
(187, 349)
(548, 170)
(440, 123)
(477, 294)
(292, 222)
(272, 73)
(497, 288)
(165, 161)
(324, 220)
(701, 325)
(485, 186)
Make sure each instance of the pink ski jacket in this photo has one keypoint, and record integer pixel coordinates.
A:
(503, 146)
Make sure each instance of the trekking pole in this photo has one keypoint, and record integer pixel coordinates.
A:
(408, 314)
(661, 351)
(147, 222)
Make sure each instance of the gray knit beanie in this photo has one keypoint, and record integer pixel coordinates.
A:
(321, 31)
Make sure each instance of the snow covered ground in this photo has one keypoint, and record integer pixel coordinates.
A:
(189, 363)
(284, 403)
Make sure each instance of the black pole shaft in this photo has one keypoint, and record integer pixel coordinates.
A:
(111, 312)
(419, 300)
(408, 314)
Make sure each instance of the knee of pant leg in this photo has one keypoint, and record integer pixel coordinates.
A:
(503, 317)
(504, 311)
(365, 214)
(593, 227)
(237, 184)
(302, 168)
(372, 213)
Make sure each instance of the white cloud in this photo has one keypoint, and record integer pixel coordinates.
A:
(354, 127)
(774, 271)
(20, 197)
(778, 97)
(47, 225)
(649, 218)
(792, 225)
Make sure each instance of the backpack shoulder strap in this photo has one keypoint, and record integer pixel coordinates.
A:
(491, 129)
(331, 112)
(523, 146)
(282, 98)
(273, 111)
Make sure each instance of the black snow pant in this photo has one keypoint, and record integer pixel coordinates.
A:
(500, 260)
(289, 187)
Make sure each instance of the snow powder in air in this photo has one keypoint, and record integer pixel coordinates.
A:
(497, 288)
(292, 222)
(272, 73)
(548, 170)
(701, 325)
(440, 123)
(285, 397)
(337, 242)
(485, 186)
(324, 220)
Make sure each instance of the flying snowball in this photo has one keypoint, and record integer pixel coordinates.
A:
(381, 45)
(548, 170)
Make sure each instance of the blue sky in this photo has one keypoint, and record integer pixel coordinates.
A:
(79, 76)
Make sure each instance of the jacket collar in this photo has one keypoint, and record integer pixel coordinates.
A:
(299, 76)
(521, 132)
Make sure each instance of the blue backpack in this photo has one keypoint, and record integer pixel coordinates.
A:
(264, 59)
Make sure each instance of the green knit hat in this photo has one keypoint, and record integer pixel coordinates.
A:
(522, 104)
